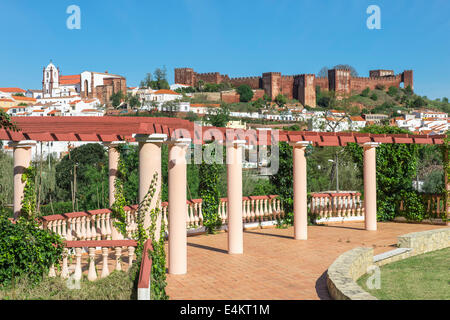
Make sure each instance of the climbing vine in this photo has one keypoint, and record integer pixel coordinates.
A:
(396, 167)
(209, 192)
(28, 209)
(445, 157)
(118, 211)
(158, 254)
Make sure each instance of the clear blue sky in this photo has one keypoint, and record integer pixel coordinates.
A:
(239, 38)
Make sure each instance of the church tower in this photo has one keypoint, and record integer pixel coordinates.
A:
(50, 80)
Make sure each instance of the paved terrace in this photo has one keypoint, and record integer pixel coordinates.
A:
(274, 266)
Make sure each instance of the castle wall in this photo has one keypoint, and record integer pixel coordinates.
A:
(358, 84)
(300, 86)
(253, 82)
(322, 82)
(287, 86)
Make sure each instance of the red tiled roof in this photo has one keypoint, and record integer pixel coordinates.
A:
(12, 90)
(110, 128)
(73, 79)
(166, 91)
(24, 98)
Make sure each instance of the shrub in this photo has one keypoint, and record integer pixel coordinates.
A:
(365, 92)
(26, 250)
(374, 97)
(392, 91)
(245, 93)
(413, 208)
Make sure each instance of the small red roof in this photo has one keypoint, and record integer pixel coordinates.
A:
(73, 79)
(166, 91)
(12, 90)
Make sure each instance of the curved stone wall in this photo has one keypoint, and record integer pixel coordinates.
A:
(351, 265)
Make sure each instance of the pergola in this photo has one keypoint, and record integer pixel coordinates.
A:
(151, 133)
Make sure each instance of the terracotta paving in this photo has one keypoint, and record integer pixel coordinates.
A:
(274, 266)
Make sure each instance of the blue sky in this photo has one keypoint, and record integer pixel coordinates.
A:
(238, 38)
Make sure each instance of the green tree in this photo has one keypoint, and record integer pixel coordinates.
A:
(245, 93)
(6, 122)
(365, 92)
(218, 117)
(83, 172)
(133, 101)
(434, 182)
(374, 97)
(392, 91)
(280, 100)
(116, 98)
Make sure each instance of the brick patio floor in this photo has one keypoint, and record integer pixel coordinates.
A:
(274, 266)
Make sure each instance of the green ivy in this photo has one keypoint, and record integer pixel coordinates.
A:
(396, 168)
(445, 157)
(209, 192)
(29, 200)
(117, 208)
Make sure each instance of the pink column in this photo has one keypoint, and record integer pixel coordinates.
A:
(370, 185)
(113, 163)
(300, 193)
(177, 206)
(447, 187)
(22, 159)
(234, 193)
(149, 164)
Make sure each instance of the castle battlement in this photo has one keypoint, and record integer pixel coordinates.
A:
(297, 87)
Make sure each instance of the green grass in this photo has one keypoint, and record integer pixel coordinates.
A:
(423, 277)
(119, 285)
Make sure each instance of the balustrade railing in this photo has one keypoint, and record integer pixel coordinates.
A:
(98, 224)
(434, 205)
(95, 253)
(336, 205)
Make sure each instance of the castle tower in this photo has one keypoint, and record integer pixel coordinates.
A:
(272, 83)
(185, 76)
(306, 89)
(407, 79)
(339, 81)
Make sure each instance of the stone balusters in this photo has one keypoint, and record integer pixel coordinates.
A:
(65, 267)
(77, 274)
(105, 269)
(87, 260)
(92, 275)
(118, 255)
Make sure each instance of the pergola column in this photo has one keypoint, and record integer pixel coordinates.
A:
(22, 159)
(177, 206)
(300, 191)
(370, 185)
(234, 193)
(113, 164)
(149, 164)
(447, 187)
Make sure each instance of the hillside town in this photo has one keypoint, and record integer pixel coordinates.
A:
(90, 94)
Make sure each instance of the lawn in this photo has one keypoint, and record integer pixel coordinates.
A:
(119, 285)
(423, 277)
